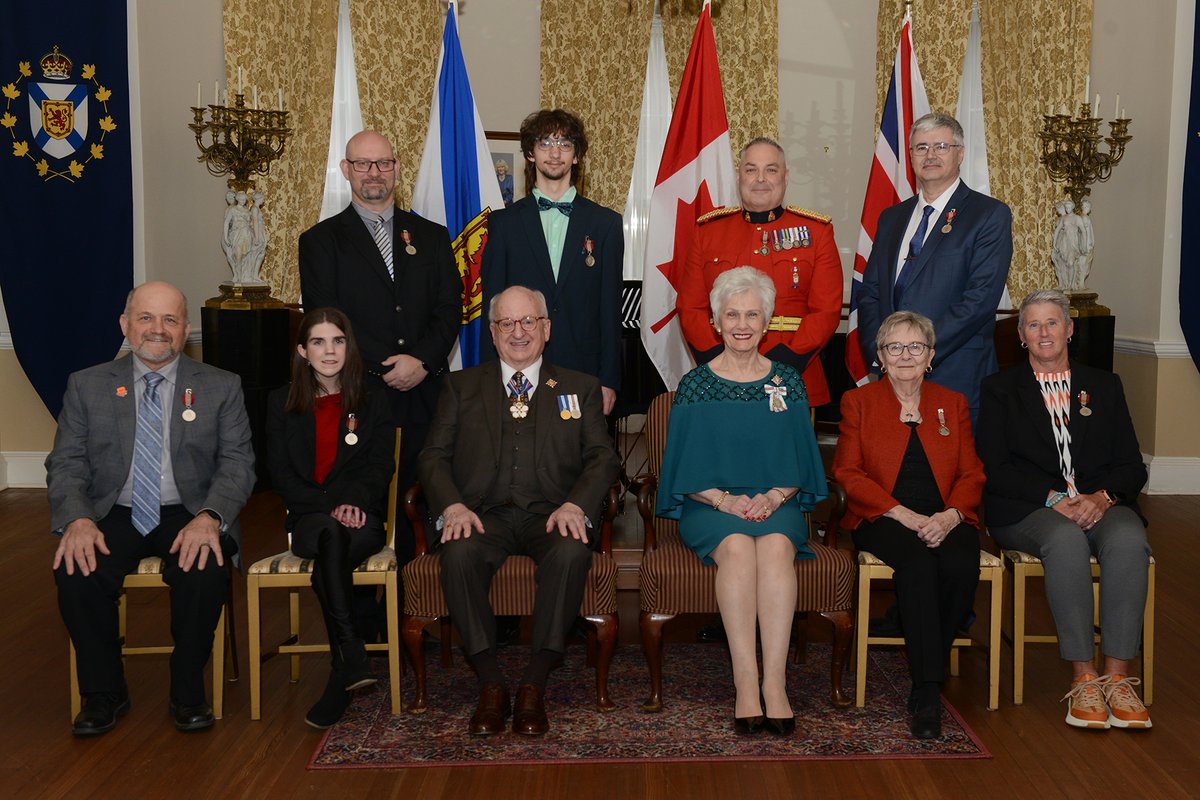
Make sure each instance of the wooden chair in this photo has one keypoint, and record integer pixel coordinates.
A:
(673, 581)
(870, 568)
(512, 594)
(1024, 566)
(288, 571)
(148, 575)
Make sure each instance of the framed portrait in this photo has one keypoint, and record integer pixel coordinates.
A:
(508, 164)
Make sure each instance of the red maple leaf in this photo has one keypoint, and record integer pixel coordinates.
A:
(686, 215)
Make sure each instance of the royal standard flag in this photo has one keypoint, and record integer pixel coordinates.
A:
(66, 207)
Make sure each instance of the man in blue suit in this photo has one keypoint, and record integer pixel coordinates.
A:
(944, 253)
(565, 246)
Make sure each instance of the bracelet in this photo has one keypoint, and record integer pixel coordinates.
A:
(783, 498)
(961, 518)
(1112, 501)
(1055, 498)
(721, 499)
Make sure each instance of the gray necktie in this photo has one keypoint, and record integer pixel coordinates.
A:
(384, 243)
(147, 458)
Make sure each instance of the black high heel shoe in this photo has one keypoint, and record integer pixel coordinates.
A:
(781, 726)
(748, 726)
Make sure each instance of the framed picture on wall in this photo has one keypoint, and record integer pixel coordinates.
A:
(508, 163)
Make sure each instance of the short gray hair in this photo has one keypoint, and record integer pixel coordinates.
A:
(1052, 296)
(539, 300)
(895, 320)
(762, 140)
(738, 280)
(934, 120)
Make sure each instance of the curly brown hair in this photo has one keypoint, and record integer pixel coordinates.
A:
(551, 122)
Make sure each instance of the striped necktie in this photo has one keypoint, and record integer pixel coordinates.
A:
(147, 458)
(384, 243)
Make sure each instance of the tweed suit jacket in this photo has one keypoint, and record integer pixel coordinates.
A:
(575, 459)
(211, 456)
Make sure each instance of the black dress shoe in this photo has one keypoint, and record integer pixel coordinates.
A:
(354, 665)
(781, 726)
(331, 706)
(491, 712)
(711, 632)
(100, 712)
(192, 718)
(748, 726)
(927, 722)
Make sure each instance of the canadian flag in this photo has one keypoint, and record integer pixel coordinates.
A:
(695, 176)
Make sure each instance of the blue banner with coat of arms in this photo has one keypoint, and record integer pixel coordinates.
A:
(66, 186)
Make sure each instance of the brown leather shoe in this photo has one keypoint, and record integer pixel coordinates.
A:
(492, 711)
(529, 712)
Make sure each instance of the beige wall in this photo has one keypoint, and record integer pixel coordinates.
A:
(827, 123)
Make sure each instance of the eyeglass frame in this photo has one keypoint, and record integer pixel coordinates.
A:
(941, 148)
(547, 143)
(355, 165)
(529, 324)
(920, 351)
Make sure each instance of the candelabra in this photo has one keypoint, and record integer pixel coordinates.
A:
(1071, 153)
(241, 142)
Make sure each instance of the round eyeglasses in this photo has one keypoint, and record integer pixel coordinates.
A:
(528, 324)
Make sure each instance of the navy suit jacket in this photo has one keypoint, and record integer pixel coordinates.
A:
(585, 302)
(957, 282)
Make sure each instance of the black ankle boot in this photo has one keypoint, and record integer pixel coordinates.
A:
(332, 705)
(354, 665)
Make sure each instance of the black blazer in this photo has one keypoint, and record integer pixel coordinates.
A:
(419, 314)
(585, 302)
(1016, 444)
(361, 472)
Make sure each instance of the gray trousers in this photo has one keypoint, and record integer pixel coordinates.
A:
(469, 564)
(1119, 543)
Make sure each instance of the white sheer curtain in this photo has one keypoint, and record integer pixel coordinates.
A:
(347, 117)
(652, 135)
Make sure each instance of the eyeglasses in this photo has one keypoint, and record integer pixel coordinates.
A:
(565, 145)
(383, 165)
(916, 349)
(528, 324)
(939, 147)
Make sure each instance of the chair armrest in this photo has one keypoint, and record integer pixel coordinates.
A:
(612, 501)
(838, 510)
(411, 498)
(645, 488)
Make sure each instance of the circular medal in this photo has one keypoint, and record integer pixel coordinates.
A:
(946, 228)
(575, 413)
(590, 261)
(565, 414)
(412, 251)
(1085, 411)
(188, 415)
(351, 438)
(943, 430)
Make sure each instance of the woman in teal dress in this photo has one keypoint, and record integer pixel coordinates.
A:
(740, 468)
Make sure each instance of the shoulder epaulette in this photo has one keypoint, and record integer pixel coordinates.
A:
(724, 211)
(804, 212)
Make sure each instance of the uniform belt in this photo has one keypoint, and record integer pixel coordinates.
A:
(782, 323)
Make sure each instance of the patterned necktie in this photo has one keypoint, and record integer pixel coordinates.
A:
(384, 243)
(914, 249)
(545, 204)
(147, 458)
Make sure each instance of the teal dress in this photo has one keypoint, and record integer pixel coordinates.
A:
(742, 438)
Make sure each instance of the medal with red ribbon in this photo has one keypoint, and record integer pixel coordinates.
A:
(189, 399)
(588, 247)
(950, 215)
(408, 245)
(1084, 411)
(351, 427)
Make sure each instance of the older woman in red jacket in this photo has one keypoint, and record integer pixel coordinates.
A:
(913, 482)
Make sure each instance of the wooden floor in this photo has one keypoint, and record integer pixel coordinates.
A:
(1035, 753)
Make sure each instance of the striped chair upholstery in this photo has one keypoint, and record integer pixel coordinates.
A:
(672, 580)
(512, 594)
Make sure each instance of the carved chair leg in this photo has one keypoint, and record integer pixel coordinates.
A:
(651, 625)
(843, 626)
(411, 633)
(606, 638)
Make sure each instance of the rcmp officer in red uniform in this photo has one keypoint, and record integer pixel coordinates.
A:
(792, 245)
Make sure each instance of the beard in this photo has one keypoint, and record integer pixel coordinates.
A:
(150, 356)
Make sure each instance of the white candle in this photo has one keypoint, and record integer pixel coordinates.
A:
(1063, 109)
(1049, 109)
(281, 98)
(216, 93)
(1123, 114)
(197, 94)
(1096, 108)
(1116, 106)
(256, 97)
(239, 79)
(1087, 88)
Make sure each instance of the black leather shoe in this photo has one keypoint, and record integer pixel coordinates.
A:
(529, 711)
(781, 726)
(711, 632)
(494, 707)
(192, 718)
(100, 712)
(748, 726)
(354, 665)
(331, 706)
(927, 722)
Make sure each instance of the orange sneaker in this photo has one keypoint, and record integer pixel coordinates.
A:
(1085, 703)
(1125, 709)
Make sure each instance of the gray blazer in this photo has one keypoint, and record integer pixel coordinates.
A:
(211, 456)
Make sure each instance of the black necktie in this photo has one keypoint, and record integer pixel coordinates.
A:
(545, 204)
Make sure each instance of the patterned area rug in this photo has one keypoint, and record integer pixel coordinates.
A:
(695, 725)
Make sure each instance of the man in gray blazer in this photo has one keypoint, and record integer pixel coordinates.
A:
(516, 463)
(152, 458)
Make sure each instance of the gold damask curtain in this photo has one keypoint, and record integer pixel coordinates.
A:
(594, 65)
(1035, 52)
(293, 44)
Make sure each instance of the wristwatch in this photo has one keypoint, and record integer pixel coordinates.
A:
(1112, 501)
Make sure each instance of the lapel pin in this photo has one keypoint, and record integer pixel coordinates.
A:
(122, 391)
